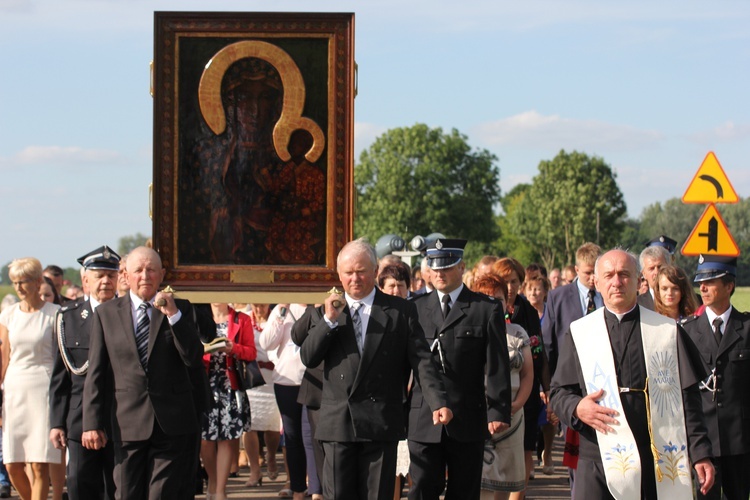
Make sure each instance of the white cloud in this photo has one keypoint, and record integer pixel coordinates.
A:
(532, 130)
(10, 6)
(68, 156)
(726, 132)
(364, 135)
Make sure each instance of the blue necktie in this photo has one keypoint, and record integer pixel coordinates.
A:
(141, 333)
(357, 324)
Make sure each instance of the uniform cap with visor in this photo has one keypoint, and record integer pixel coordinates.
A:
(445, 252)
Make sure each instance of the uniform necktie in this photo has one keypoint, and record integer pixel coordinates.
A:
(141, 333)
(357, 324)
(446, 305)
(717, 329)
(591, 304)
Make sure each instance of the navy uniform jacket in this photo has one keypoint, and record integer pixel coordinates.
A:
(66, 389)
(475, 349)
(728, 414)
(363, 396)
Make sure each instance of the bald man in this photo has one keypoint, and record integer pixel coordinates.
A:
(143, 347)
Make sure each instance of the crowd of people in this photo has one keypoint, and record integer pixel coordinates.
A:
(443, 379)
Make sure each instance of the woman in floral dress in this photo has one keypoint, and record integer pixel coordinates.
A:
(229, 415)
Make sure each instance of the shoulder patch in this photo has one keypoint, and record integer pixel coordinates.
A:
(689, 319)
(70, 307)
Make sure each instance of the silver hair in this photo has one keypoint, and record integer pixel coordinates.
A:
(654, 252)
(360, 246)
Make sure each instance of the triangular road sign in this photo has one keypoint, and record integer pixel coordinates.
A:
(711, 236)
(710, 184)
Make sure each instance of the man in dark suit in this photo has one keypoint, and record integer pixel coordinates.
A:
(571, 302)
(311, 388)
(369, 343)
(652, 259)
(722, 335)
(466, 332)
(143, 347)
(89, 472)
(565, 305)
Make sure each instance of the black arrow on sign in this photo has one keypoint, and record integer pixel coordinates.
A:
(712, 235)
(717, 185)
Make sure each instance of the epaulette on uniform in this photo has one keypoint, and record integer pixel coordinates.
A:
(70, 307)
(689, 319)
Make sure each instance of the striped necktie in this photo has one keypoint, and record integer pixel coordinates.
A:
(357, 325)
(141, 333)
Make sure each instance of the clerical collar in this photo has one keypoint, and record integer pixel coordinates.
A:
(620, 316)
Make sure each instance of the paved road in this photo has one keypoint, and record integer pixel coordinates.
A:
(541, 487)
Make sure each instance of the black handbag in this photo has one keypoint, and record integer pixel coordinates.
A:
(247, 371)
(249, 374)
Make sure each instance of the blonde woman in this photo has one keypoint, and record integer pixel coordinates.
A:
(27, 359)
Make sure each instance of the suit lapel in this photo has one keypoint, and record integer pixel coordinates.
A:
(575, 298)
(157, 318)
(348, 342)
(376, 327)
(434, 315)
(458, 311)
(125, 314)
(731, 333)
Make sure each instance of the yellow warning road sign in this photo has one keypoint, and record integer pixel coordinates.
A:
(710, 184)
(711, 236)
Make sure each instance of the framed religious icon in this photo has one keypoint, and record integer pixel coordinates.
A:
(253, 149)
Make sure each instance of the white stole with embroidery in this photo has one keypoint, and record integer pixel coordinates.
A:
(667, 417)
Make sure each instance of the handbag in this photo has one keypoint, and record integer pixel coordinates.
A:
(249, 374)
(248, 371)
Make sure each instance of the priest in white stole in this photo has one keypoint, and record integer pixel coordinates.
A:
(627, 380)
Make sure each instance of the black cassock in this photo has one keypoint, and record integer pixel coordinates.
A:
(568, 387)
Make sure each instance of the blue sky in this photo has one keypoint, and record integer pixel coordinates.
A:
(649, 86)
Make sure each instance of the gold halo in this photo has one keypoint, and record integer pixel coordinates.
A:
(291, 119)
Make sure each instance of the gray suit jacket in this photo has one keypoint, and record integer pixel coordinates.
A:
(164, 393)
(364, 397)
(647, 301)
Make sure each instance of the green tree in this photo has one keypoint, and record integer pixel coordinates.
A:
(128, 243)
(574, 198)
(677, 220)
(418, 180)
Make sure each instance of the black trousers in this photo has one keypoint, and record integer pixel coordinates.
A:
(89, 472)
(361, 470)
(429, 462)
(732, 476)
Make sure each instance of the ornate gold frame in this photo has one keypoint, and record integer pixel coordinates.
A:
(185, 45)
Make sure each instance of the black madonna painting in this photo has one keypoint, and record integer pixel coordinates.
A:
(253, 146)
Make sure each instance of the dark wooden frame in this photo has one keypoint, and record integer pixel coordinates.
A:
(176, 29)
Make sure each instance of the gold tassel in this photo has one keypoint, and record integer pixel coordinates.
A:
(654, 449)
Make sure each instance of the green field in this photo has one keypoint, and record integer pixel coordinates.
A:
(740, 300)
